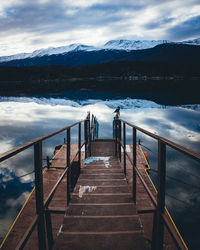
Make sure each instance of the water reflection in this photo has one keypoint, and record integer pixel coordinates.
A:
(23, 119)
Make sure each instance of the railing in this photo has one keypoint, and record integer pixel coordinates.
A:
(94, 128)
(42, 218)
(160, 217)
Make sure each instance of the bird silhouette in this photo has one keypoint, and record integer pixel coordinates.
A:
(117, 111)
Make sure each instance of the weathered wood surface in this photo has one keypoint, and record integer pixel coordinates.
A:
(101, 214)
(143, 200)
(112, 199)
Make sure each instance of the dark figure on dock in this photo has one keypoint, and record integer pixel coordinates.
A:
(117, 111)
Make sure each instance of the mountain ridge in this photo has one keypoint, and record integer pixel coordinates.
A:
(171, 53)
(122, 45)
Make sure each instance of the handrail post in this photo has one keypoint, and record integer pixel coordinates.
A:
(49, 229)
(68, 166)
(116, 134)
(134, 164)
(92, 128)
(86, 137)
(89, 137)
(119, 138)
(39, 195)
(124, 140)
(79, 146)
(161, 195)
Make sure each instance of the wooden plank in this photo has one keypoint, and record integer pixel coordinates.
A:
(106, 241)
(102, 148)
(106, 208)
(115, 203)
(143, 200)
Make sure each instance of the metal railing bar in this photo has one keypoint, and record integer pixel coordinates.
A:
(170, 228)
(39, 195)
(141, 129)
(179, 243)
(27, 234)
(43, 206)
(124, 142)
(146, 211)
(50, 196)
(141, 179)
(160, 203)
(72, 161)
(134, 155)
(12, 152)
(49, 229)
(26, 145)
(172, 144)
(57, 210)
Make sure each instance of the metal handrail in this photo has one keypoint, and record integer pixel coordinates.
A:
(172, 144)
(42, 212)
(141, 179)
(160, 216)
(16, 150)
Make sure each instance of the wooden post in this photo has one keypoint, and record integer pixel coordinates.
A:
(39, 195)
(124, 137)
(79, 147)
(134, 165)
(161, 195)
(68, 166)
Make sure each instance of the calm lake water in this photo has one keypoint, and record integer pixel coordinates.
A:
(24, 118)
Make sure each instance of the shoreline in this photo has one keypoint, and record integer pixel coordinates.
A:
(172, 92)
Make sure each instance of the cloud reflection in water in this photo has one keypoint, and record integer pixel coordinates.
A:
(23, 119)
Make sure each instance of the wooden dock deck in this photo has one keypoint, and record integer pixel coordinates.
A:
(101, 213)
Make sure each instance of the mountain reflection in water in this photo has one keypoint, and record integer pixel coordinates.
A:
(23, 119)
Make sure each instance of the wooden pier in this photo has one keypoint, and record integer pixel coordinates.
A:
(96, 198)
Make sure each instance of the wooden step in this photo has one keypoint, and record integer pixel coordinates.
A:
(102, 198)
(131, 240)
(102, 182)
(101, 162)
(103, 171)
(101, 166)
(102, 176)
(103, 189)
(101, 223)
(101, 209)
(101, 215)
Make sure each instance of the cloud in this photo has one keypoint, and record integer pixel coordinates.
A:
(158, 23)
(43, 23)
(185, 30)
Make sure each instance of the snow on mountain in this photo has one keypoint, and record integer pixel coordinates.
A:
(127, 45)
(62, 50)
(133, 44)
(49, 51)
(192, 42)
(14, 57)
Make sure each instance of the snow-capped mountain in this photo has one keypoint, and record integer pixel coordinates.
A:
(49, 51)
(192, 42)
(123, 45)
(133, 44)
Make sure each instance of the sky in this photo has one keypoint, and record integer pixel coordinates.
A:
(26, 25)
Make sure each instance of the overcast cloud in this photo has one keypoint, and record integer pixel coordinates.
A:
(29, 25)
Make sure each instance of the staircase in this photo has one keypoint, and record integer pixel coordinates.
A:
(101, 214)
